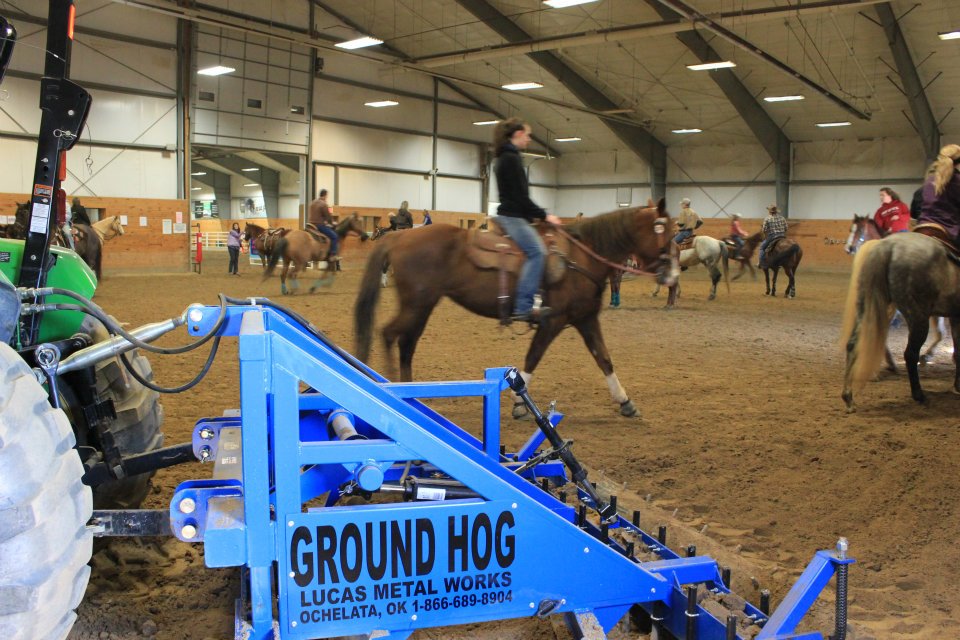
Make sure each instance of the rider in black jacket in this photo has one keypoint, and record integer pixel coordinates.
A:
(517, 211)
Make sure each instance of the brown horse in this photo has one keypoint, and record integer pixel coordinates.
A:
(745, 255)
(785, 253)
(264, 241)
(86, 241)
(431, 262)
(298, 248)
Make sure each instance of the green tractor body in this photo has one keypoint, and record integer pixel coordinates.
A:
(69, 271)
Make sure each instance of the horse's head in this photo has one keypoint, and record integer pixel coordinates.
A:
(861, 229)
(117, 226)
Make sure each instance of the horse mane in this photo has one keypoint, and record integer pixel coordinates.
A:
(610, 233)
(255, 227)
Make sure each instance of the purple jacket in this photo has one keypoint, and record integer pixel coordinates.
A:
(945, 208)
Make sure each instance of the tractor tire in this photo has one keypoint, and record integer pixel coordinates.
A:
(44, 509)
(136, 428)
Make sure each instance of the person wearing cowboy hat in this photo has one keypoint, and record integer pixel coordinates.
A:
(687, 221)
(774, 228)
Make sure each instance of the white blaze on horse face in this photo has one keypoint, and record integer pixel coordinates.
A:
(848, 247)
(617, 392)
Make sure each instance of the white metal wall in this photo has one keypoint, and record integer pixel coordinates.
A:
(133, 118)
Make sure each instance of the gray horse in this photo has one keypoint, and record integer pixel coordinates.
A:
(709, 252)
(905, 271)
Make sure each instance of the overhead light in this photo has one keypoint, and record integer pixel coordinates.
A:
(381, 103)
(251, 169)
(563, 4)
(196, 188)
(531, 154)
(833, 124)
(199, 173)
(688, 130)
(520, 86)
(783, 98)
(572, 139)
(709, 66)
(482, 123)
(949, 35)
(359, 43)
(218, 70)
(251, 184)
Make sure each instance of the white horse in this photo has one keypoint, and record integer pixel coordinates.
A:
(108, 228)
(709, 252)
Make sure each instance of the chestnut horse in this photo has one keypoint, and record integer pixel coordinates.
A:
(298, 248)
(431, 262)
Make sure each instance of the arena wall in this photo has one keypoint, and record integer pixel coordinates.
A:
(141, 248)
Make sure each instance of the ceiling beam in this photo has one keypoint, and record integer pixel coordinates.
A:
(446, 82)
(923, 118)
(710, 24)
(669, 25)
(637, 138)
(767, 132)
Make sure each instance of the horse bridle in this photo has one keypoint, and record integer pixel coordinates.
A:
(663, 245)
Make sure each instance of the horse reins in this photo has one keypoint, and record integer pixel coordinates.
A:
(613, 265)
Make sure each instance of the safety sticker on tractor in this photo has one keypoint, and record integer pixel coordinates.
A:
(39, 218)
(43, 190)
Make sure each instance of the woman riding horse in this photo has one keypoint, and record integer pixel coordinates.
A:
(432, 262)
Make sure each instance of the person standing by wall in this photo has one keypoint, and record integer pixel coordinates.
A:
(233, 247)
(516, 213)
(321, 220)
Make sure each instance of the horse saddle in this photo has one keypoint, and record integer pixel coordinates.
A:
(937, 232)
(493, 249)
(271, 237)
(688, 243)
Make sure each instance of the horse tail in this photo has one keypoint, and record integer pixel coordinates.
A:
(279, 249)
(866, 316)
(725, 256)
(365, 308)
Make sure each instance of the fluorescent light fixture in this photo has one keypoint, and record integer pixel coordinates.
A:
(381, 103)
(531, 154)
(196, 188)
(782, 98)
(483, 123)
(571, 139)
(199, 173)
(520, 86)
(709, 66)
(833, 124)
(359, 43)
(251, 169)
(218, 70)
(688, 130)
(563, 4)
(949, 35)
(251, 184)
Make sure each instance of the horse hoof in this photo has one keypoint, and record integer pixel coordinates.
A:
(313, 289)
(520, 411)
(920, 397)
(628, 409)
(712, 296)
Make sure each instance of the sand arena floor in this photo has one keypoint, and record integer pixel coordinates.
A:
(744, 447)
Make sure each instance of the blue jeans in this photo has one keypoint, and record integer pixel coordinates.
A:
(763, 248)
(683, 235)
(334, 238)
(532, 246)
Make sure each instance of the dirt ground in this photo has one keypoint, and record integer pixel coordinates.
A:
(743, 448)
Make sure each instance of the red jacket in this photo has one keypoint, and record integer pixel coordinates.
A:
(893, 217)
